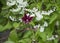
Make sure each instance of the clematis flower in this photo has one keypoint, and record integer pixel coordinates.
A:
(27, 18)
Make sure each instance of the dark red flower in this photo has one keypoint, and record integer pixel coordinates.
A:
(26, 18)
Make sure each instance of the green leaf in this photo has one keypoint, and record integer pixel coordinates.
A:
(9, 42)
(13, 36)
(1, 28)
(39, 5)
(27, 40)
(42, 35)
(7, 26)
(15, 24)
(32, 23)
(56, 41)
(28, 34)
(53, 18)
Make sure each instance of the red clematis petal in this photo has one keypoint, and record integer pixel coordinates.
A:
(26, 18)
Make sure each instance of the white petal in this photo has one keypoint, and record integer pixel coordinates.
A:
(51, 38)
(45, 24)
(19, 1)
(34, 9)
(38, 15)
(15, 10)
(42, 29)
(32, 15)
(11, 2)
(57, 23)
(56, 36)
(37, 26)
(12, 18)
(20, 20)
(45, 13)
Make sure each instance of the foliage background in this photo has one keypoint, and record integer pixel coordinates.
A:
(31, 36)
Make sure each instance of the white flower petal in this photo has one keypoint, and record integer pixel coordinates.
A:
(19, 1)
(51, 38)
(45, 24)
(11, 2)
(38, 15)
(57, 23)
(37, 26)
(48, 13)
(12, 18)
(20, 20)
(34, 9)
(42, 29)
(15, 10)
(32, 15)
(56, 36)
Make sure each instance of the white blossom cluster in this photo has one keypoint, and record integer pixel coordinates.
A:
(12, 18)
(52, 37)
(42, 28)
(22, 4)
(39, 14)
(19, 3)
(34, 12)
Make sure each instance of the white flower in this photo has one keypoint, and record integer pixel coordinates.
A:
(50, 11)
(20, 20)
(21, 3)
(22, 11)
(12, 18)
(45, 24)
(47, 12)
(15, 10)
(38, 15)
(51, 38)
(11, 2)
(37, 26)
(34, 9)
(32, 15)
(29, 10)
(42, 28)
(57, 23)
(56, 36)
